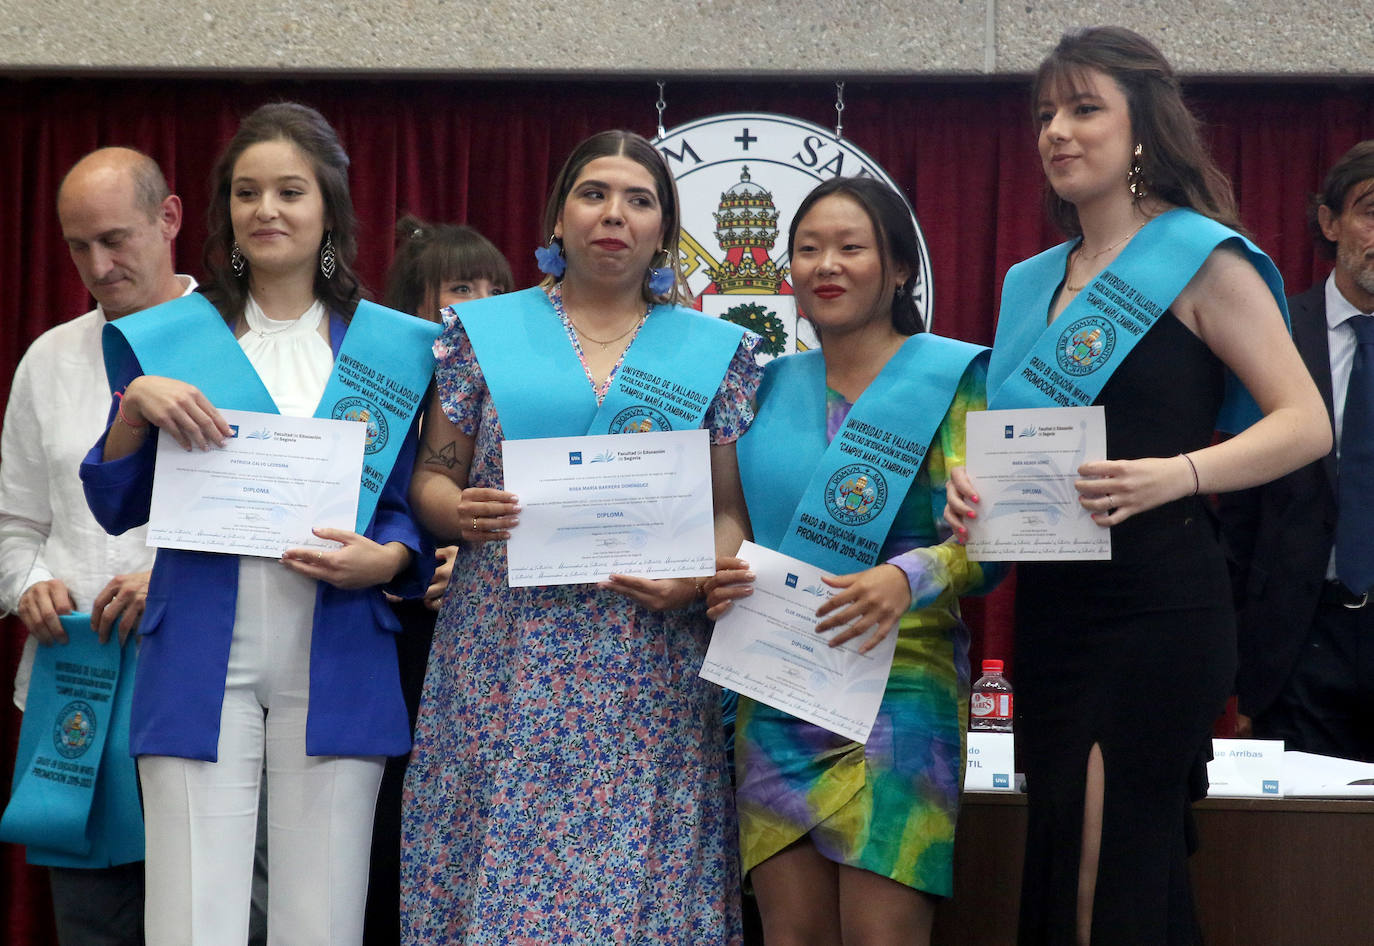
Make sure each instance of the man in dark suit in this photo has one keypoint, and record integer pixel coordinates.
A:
(1307, 636)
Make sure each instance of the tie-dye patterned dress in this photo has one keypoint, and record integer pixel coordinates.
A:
(889, 806)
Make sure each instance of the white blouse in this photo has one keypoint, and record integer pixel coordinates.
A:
(292, 358)
(273, 602)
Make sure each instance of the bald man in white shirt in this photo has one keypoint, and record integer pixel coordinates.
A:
(119, 221)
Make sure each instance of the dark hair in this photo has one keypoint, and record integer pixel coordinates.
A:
(307, 129)
(898, 245)
(1354, 168)
(627, 144)
(1175, 166)
(431, 254)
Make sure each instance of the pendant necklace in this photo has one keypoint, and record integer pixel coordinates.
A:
(607, 343)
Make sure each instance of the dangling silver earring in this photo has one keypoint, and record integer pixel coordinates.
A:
(327, 256)
(1135, 177)
(236, 260)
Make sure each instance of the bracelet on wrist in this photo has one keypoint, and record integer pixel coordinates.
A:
(1192, 466)
(120, 416)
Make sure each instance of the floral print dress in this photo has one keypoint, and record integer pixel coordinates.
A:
(568, 782)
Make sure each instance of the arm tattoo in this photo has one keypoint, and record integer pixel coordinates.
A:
(446, 457)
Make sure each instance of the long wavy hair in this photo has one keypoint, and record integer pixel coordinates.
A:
(1175, 165)
(898, 244)
(307, 129)
(431, 254)
(627, 144)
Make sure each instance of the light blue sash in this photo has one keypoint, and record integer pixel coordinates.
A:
(75, 795)
(1067, 364)
(670, 374)
(379, 377)
(832, 505)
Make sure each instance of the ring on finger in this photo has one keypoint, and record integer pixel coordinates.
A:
(474, 525)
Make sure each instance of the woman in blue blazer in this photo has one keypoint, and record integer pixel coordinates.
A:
(247, 660)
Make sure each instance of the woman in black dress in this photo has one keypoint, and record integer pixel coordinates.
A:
(1122, 665)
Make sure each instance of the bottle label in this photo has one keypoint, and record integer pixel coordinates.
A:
(990, 705)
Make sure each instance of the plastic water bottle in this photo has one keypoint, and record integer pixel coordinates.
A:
(990, 703)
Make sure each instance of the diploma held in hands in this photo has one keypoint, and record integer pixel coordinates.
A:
(275, 479)
(1024, 464)
(637, 504)
(766, 647)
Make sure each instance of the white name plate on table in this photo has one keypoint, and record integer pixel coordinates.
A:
(766, 648)
(274, 480)
(1024, 464)
(626, 504)
(1245, 768)
(991, 763)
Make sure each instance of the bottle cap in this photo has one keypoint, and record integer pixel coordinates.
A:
(992, 666)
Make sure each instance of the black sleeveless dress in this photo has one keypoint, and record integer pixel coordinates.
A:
(1138, 655)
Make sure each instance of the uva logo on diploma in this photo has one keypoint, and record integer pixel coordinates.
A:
(1086, 345)
(741, 177)
(74, 732)
(855, 494)
(362, 410)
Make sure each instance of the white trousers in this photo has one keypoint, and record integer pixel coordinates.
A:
(201, 817)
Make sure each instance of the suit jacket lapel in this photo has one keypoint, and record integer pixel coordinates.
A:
(1308, 312)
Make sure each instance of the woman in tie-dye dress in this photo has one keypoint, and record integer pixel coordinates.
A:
(848, 842)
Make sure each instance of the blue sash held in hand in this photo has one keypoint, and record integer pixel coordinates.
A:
(832, 505)
(1067, 364)
(379, 377)
(75, 794)
(669, 376)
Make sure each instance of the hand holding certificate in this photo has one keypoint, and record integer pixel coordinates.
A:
(275, 480)
(631, 504)
(766, 648)
(1025, 463)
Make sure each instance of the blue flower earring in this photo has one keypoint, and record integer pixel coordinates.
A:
(550, 258)
(662, 278)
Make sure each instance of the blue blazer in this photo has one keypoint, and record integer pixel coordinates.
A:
(356, 707)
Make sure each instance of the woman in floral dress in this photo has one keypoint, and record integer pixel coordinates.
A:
(568, 781)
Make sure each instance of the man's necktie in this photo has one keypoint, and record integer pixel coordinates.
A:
(1355, 522)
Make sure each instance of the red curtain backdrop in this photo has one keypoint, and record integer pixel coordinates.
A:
(485, 152)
